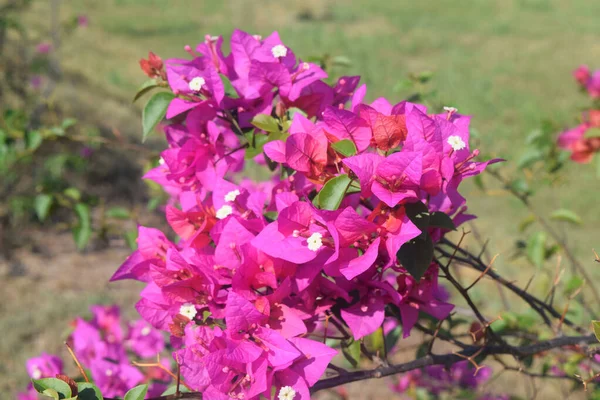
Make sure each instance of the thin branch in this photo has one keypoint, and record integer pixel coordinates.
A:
(449, 359)
(524, 199)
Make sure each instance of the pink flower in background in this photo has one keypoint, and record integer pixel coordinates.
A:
(582, 74)
(44, 366)
(83, 21)
(36, 82)
(144, 340)
(44, 48)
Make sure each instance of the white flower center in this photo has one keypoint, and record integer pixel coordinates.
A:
(37, 374)
(197, 83)
(231, 196)
(188, 310)
(314, 241)
(456, 143)
(450, 109)
(286, 393)
(279, 51)
(108, 372)
(305, 66)
(224, 211)
(145, 331)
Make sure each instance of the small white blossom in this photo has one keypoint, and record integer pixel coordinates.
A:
(37, 374)
(450, 109)
(224, 212)
(231, 196)
(197, 83)
(286, 393)
(145, 331)
(305, 66)
(161, 161)
(456, 142)
(188, 310)
(279, 51)
(314, 241)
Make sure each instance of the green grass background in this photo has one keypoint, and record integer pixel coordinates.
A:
(507, 63)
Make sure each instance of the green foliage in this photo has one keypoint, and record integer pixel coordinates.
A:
(351, 351)
(331, 195)
(83, 228)
(416, 256)
(566, 215)
(345, 147)
(88, 391)
(536, 248)
(171, 390)
(596, 328)
(154, 111)
(52, 387)
(266, 123)
(146, 87)
(137, 393)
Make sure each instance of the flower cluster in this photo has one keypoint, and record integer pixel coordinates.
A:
(577, 140)
(588, 81)
(264, 271)
(102, 346)
(437, 380)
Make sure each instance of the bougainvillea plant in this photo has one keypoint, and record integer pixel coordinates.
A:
(581, 140)
(336, 252)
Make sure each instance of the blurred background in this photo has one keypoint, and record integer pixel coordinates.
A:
(72, 192)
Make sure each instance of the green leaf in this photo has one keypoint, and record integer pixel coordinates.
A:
(536, 248)
(345, 147)
(68, 122)
(173, 389)
(376, 341)
(137, 393)
(229, 89)
(418, 213)
(59, 386)
(596, 327)
(256, 142)
(572, 285)
(439, 219)
(265, 122)
(520, 186)
(42, 204)
(83, 230)
(392, 338)
(145, 88)
(529, 158)
(293, 111)
(33, 140)
(341, 61)
(563, 214)
(72, 193)
(526, 222)
(88, 391)
(117, 212)
(331, 195)
(131, 239)
(351, 352)
(51, 393)
(155, 110)
(416, 255)
(153, 203)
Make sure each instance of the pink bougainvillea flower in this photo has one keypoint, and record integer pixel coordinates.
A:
(44, 366)
(44, 48)
(115, 379)
(582, 74)
(144, 340)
